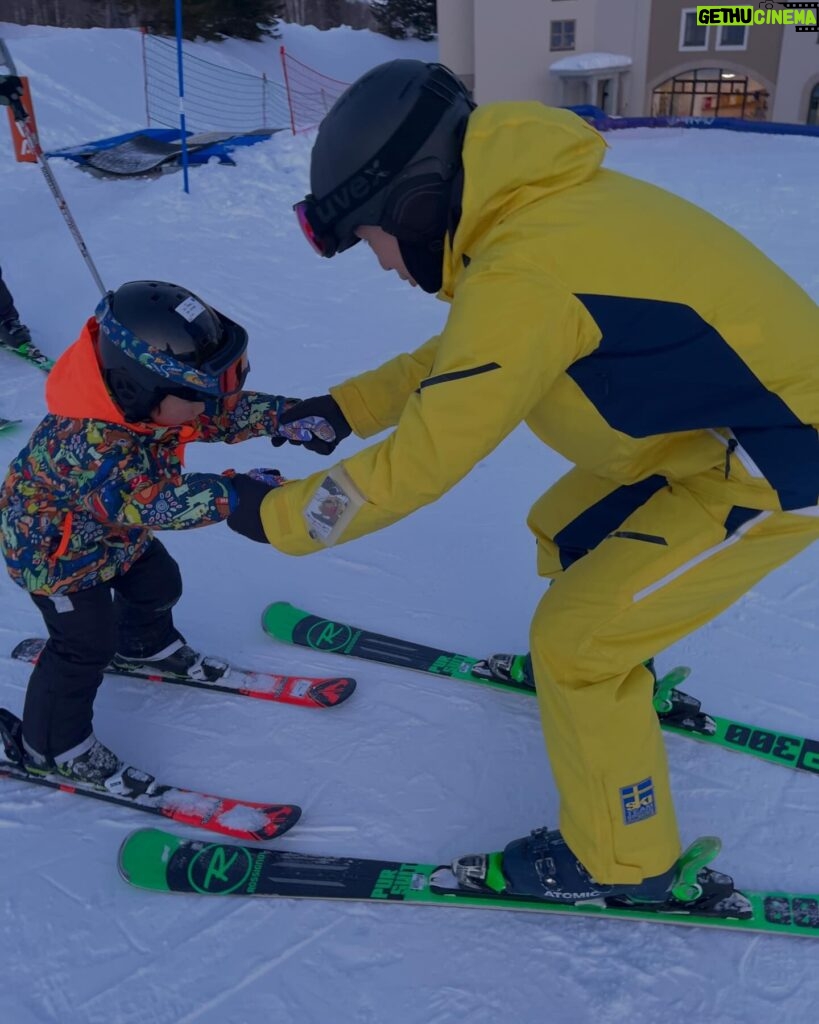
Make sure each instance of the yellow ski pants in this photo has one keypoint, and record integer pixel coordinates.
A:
(634, 569)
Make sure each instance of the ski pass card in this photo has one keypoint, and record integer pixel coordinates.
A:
(333, 504)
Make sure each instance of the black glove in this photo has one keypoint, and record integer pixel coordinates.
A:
(11, 95)
(246, 516)
(322, 408)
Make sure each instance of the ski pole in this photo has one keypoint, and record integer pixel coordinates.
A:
(11, 93)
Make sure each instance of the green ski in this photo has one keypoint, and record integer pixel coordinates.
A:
(28, 351)
(156, 860)
(678, 711)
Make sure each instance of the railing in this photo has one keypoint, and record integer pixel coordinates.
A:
(310, 94)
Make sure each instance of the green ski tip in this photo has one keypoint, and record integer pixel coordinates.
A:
(280, 619)
(144, 856)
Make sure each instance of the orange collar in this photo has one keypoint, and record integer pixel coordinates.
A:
(75, 387)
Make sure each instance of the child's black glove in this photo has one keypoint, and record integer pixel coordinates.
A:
(11, 89)
(249, 491)
(11, 95)
(315, 423)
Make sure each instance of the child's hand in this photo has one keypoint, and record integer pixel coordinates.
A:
(271, 477)
(304, 430)
(316, 423)
(248, 491)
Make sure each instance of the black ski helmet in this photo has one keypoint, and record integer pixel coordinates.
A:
(157, 339)
(386, 154)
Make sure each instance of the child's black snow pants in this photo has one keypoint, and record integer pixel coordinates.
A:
(131, 616)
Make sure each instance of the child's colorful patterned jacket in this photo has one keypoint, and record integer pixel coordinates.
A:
(80, 500)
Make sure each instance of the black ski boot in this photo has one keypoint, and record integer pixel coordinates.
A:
(93, 767)
(96, 767)
(542, 866)
(179, 661)
(11, 736)
(100, 768)
(14, 335)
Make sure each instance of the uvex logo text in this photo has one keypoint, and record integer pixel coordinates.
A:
(349, 195)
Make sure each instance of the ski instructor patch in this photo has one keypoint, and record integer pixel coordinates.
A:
(637, 801)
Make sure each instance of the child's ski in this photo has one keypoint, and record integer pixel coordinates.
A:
(238, 819)
(303, 691)
(156, 860)
(678, 712)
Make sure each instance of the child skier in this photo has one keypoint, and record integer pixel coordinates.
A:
(154, 369)
(651, 345)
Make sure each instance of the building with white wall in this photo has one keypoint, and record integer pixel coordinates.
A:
(631, 57)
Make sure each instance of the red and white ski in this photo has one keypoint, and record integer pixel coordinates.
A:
(303, 691)
(239, 819)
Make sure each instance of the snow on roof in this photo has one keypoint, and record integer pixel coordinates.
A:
(591, 62)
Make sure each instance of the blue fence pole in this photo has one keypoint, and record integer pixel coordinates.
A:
(181, 94)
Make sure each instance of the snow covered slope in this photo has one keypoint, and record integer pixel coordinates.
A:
(411, 767)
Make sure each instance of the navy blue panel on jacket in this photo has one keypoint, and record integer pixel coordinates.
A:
(602, 518)
(739, 516)
(661, 368)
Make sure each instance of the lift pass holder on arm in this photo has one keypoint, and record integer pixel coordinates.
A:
(332, 506)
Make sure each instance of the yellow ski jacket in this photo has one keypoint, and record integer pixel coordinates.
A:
(633, 332)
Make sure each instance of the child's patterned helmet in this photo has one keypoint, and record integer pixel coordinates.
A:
(158, 339)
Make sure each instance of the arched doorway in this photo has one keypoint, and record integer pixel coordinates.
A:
(813, 106)
(711, 92)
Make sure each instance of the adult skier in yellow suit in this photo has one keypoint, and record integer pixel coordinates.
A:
(647, 342)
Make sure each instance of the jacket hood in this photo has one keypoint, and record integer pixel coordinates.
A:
(515, 154)
(75, 387)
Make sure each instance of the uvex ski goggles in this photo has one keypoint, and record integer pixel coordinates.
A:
(220, 374)
(329, 222)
